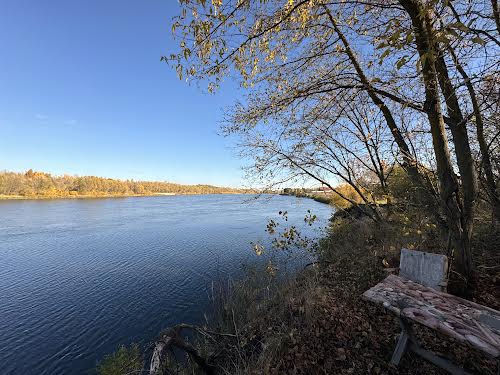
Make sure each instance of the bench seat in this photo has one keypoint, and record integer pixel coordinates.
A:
(469, 322)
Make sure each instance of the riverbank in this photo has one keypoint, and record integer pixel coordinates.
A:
(317, 322)
(325, 198)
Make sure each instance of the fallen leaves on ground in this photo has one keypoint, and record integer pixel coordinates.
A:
(336, 332)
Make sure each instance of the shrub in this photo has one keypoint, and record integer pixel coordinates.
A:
(126, 360)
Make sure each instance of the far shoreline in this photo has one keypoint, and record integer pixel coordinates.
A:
(103, 196)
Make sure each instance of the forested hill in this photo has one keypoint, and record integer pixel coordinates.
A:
(44, 185)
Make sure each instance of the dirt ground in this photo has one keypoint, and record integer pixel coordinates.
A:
(339, 333)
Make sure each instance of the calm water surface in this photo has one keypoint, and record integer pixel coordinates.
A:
(80, 277)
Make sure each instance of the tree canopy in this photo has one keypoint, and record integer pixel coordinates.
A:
(343, 91)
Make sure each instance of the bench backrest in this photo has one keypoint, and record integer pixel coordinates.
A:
(424, 268)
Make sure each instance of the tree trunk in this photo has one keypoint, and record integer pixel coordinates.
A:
(486, 165)
(496, 15)
(458, 223)
(463, 153)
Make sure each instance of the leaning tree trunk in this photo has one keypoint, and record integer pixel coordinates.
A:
(486, 165)
(463, 153)
(459, 222)
(458, 128)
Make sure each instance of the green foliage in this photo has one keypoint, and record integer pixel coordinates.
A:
(402, 190)
(400, 185)
(402, 226)
(38, 184)
(126, 360)
(298, 192)
(348, 192)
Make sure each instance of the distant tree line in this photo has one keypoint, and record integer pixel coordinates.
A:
(40, 184)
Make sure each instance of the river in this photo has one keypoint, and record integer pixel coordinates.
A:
(80, 277)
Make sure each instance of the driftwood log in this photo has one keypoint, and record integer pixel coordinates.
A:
(466, 321)
(171, 339)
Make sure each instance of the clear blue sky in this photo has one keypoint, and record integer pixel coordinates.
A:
(83, 92)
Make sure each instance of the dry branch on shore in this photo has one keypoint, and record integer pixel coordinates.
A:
(172, 339)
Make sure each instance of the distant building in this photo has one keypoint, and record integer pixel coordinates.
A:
(322, 189)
